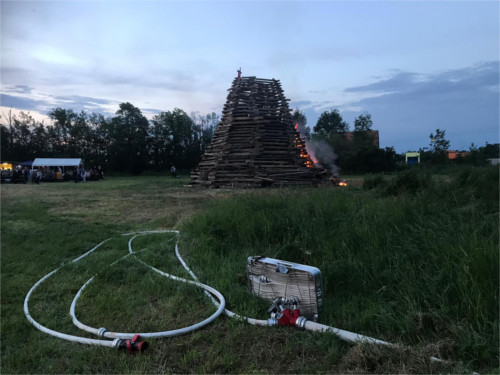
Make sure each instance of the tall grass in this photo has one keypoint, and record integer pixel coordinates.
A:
(414, 262)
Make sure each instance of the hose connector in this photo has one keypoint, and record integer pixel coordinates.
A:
(272, 322)
(132, 346)
(101, 332)
(300, 323)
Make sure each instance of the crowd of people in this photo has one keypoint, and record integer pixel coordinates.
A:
(52, 174)
(9, 175)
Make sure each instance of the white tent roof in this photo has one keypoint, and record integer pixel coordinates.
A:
(56, 162)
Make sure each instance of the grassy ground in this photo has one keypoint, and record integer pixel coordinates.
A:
(411, 259)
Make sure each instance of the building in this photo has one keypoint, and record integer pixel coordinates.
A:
(452, 155)
(372, 133)
(412, 158)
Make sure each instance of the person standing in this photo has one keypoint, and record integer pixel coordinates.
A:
(100, 172)
(38, 177)
(81, 173)
(173, 171)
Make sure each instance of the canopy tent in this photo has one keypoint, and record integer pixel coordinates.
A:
(26, 163)
(56, 162)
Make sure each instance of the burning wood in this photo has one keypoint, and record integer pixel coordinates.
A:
(337, 181)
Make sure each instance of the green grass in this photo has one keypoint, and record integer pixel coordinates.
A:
(410, 258)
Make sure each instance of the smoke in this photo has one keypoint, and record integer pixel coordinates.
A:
(319, 151)
(324, 154)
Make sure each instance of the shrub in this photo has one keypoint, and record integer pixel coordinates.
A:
(372, 182)
(411, 181)
(481, 182)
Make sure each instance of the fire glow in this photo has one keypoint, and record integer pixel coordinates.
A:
(309, 161)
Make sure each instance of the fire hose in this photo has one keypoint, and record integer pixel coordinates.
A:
(122, 340)
(284, 313)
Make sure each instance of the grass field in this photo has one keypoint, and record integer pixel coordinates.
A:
(410, 259)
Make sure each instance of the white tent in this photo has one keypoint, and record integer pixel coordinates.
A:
(56, 162)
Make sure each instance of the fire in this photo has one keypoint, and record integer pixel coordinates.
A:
(309, 161)
(336, 181)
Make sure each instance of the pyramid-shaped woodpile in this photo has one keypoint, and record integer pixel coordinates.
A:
(256, 144)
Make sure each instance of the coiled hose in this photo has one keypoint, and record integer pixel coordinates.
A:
(116, 336)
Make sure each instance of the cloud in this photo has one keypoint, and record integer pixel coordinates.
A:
(23, 88)
(478, 76)
(407, 106)
(397, 83)
(301, 104)
(19, 102)
(44, 103)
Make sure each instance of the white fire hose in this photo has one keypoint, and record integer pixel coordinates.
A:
(123, 339)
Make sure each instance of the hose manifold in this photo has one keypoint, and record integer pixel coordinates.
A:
(132, 346)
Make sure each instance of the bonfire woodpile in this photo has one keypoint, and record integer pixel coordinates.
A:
(256, 144)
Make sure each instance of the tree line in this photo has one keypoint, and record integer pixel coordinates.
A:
(356, 151)
(126, 142)
(129, 142)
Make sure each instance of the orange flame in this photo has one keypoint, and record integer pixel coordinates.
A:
(301, 146)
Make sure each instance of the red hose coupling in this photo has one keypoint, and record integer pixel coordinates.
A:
(289, 318)
(134, 345)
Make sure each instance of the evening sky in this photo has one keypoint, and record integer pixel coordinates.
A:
(414, 66)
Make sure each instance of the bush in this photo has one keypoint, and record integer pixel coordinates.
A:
(411, 181)
(481, 182)
(372, 182)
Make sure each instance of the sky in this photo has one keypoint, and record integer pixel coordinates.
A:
(415, 66)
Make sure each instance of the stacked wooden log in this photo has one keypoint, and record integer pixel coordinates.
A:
(256, 144)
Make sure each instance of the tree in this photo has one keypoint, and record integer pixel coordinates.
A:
(332, 129)
(61, 129)
(480, 155)
(205, 128)
(330, 123)
(19, 140)
(99, 128)
(175, 140)
(363, 123)
(371, 160)
(363, 138)
(5, 139)
(22, 126)
(438, 141)
(128, 148)
(40, 142)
